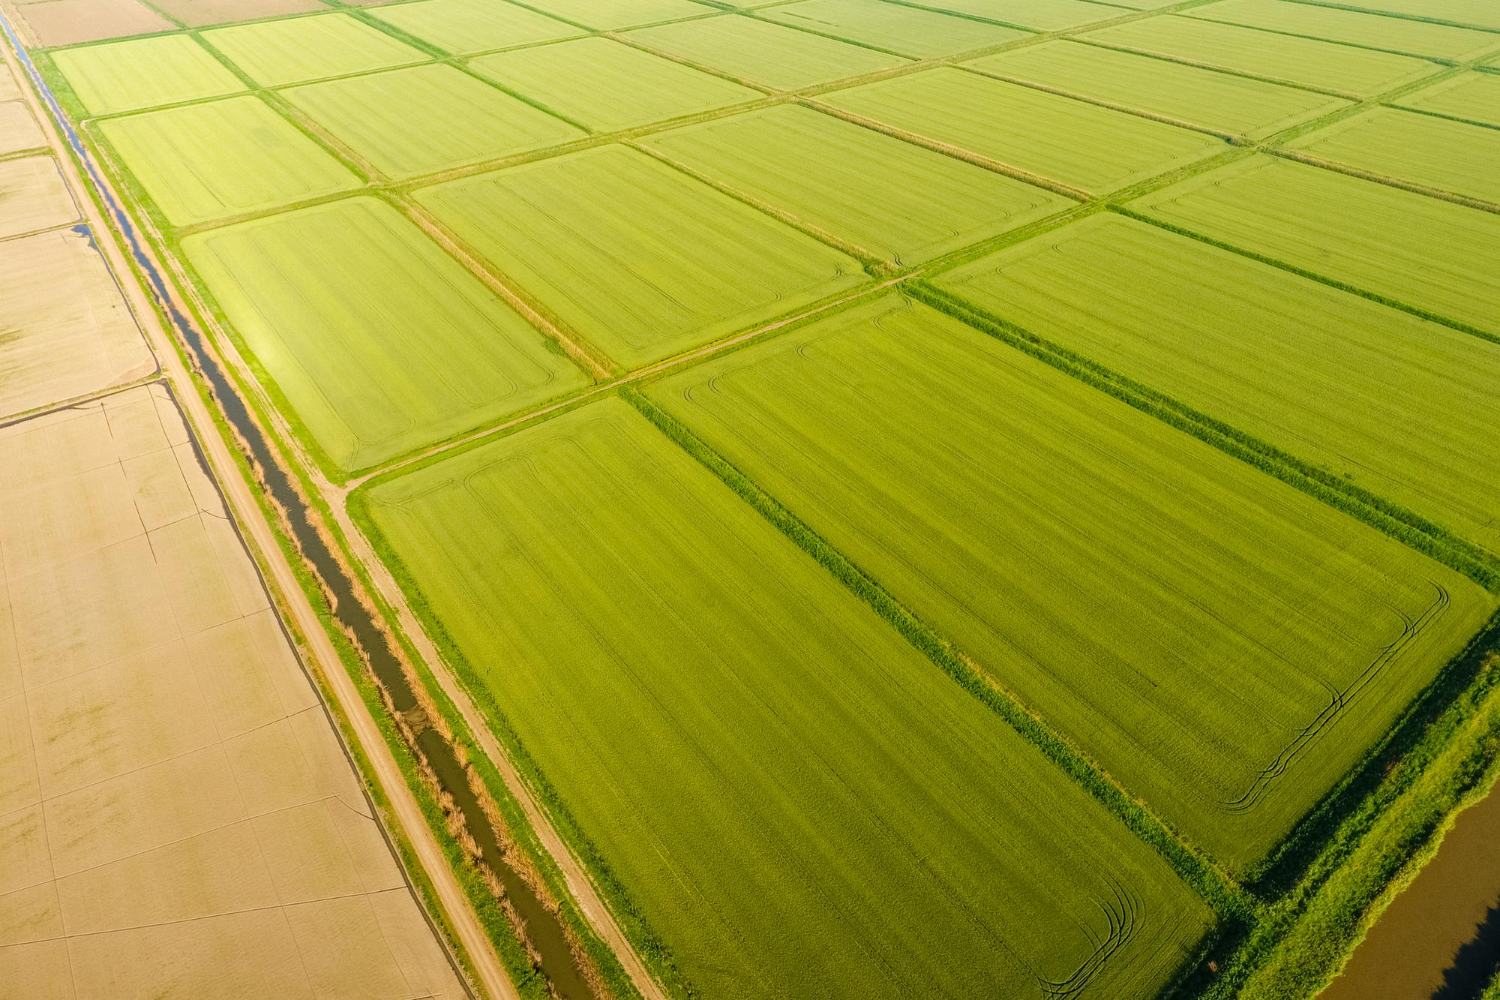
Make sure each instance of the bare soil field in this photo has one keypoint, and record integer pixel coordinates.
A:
(33, 197)
(68, 22)
(176, 811)
(18, 129)
(197, 13)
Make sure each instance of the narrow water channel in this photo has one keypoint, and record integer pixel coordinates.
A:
(1440, 938)
(543, 929)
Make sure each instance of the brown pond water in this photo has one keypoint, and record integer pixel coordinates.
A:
(1440, 938)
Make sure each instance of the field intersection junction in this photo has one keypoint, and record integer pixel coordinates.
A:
(749, 499)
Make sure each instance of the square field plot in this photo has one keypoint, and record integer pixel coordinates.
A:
(1224, 104)
(772, 55)
(1092, 149)
(1289, 58)
(1421, 251)
(374, 339)
(907, 31)
(144, 73)
(1319, 373)
(1225, 646)
(19, 129)
(1417, 38)
(620, 13)
(1473, 97)
(641, 260)
(223, 158)
(407, 122)
(607, 86)
(705, 696)
(33, 196)
(69, 331)
(299, 49)
(1037, 15)
(890, 199)
(463, 26)
(1450, 156)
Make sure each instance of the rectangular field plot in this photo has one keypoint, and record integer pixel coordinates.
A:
(19, 129)
(33, 196)
(606, 86)
(177, 811)
(1401, 406)
(1307, 61)
(1228, 105)
(641, 260)
(407, 122)
(1038, 15)
(1222, 644)
(892, 199)
(1418, 250)
(463, 26)
(68, 22)
(68, 330)
(223, 158)
(374, 339)
(1450, 156)
(1478, 13)
(1417, 38)
(201, 13)
(144, 73)
(907, 31)
(769, 54)
(718, 712)
(619, 13)
(1082, 145)
(1473, 97)
(299, 49)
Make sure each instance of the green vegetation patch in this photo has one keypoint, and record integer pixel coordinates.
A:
(421, 120)
(1479, 13)
(1417, 38)
(892, 199)
(1039, 15)
(144, 73)
(1306, 61)
(1230, 105)
(796, 800)
(1450, 156)
(1422, 251)
(637, 257)
(907, 31)
(1224, 645)
(1473, 96)
(375, 340)
(213, 160)
(608, 86)
(620, 13)
(299, 49)
(1072, 142)
(463, 26)
(761, 52)
(1401, 406)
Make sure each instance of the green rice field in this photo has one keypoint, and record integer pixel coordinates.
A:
(752, 749)
(376, 340)
(1218, 102)
(641, 260)
(217, 159)
(1430, 254)
(607, 86)
(910, 499)
(1448, 156)
(1284, 58)
(890, 199)
(1317, 372)
(1082, 145)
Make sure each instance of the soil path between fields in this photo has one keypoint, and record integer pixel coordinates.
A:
(294, 603)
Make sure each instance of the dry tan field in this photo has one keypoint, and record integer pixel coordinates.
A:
(33, 197)
(177, 817)
(68, 22)
(18, 129)
(198, 13)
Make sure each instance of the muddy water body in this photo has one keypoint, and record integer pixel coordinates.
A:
(543, 928)
(1440, 938)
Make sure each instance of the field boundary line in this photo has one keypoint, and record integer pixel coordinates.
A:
(1225, 896)
(1446, 116)
(1443, 60)
(1392, 519)
(1398, 15)
(1441, 194)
